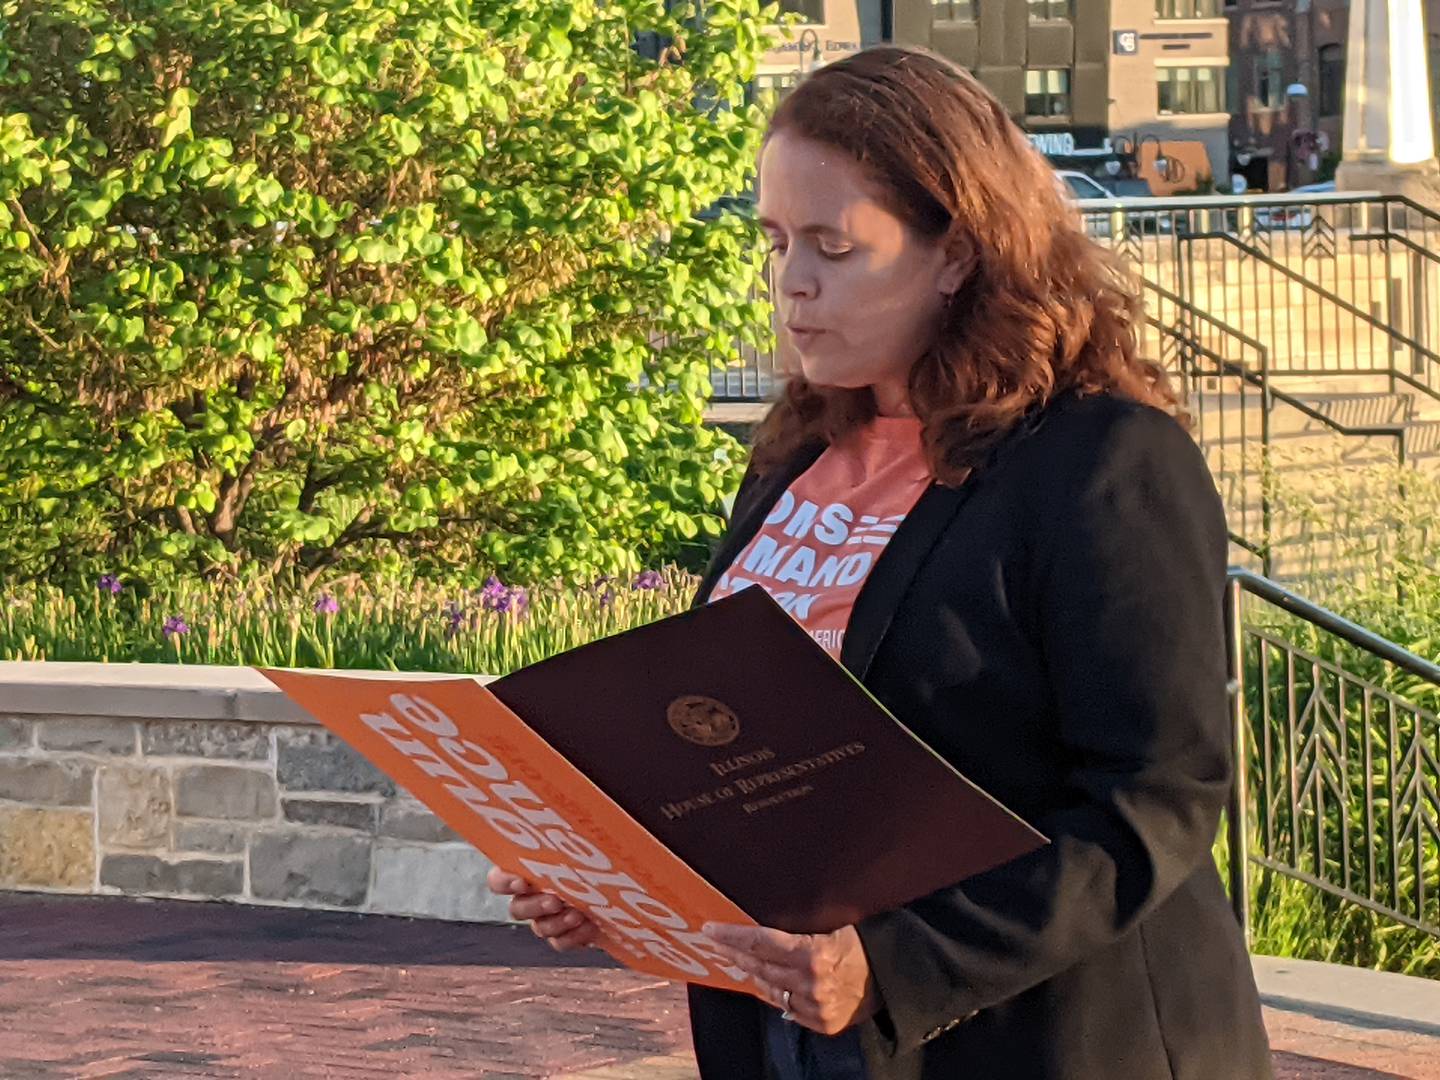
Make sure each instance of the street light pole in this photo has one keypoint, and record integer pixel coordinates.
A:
(813, 39)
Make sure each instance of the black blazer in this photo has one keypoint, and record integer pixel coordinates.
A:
(1054, 629)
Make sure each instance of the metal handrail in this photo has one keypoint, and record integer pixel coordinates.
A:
(1329, 621)
(1339, 301)
(1263, 548)
(1242, 581)
(1388, 235)
(1204, 316)
(1223, 202)
(1239, 370)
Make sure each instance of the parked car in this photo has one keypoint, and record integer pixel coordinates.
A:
(1298, 216)
(1100, 222)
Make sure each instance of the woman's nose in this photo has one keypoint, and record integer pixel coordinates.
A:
(796, 283)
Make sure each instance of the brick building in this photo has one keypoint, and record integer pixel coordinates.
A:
(1276, 49)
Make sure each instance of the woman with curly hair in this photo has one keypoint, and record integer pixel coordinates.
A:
(980, 499)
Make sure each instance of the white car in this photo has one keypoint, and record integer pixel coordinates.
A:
(1299, 216)
(1082, 186)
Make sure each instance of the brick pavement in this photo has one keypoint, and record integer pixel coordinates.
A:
(113, 988)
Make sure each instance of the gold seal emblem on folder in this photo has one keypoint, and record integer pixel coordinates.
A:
(703, 720)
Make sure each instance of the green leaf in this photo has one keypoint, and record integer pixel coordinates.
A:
(174, 126)
(469, 337)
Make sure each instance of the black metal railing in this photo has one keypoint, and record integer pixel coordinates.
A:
(1337, 752)
(1332, 285)
(1234, 411)
(1305, 298)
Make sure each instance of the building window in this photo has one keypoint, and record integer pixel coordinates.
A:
(1332, 80)
(1047, 92)
(1190, 90)
(1187, 9)
(1050, 10)
(768, 90)
(1269, 80)
(810, 11)
(953, 10)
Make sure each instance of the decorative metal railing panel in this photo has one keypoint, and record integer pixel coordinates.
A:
(1340, 738)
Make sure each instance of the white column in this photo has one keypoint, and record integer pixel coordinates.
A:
(1389, 140)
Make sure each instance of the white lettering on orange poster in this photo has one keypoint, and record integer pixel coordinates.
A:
(484, 772)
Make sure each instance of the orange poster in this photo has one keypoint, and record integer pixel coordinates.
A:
(486, 774)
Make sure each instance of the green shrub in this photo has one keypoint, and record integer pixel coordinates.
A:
(334, 285)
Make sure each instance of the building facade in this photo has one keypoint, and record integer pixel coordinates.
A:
(1113, 88)
(828, 31)
(1288, 83)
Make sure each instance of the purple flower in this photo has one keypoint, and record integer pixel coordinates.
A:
(495, 596)
(649, 579)
(175, 625)
(454, 619)
(111, 584)
(607, 598)
(520, 599)
(326, 605)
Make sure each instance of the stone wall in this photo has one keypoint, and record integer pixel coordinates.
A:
(154, 780)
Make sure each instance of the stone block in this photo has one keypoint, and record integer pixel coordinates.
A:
(49, 783)
(227, 792)
(16, 734)
(333, 870)
(213, 740)
(210, 838)
(438, 882)
(134, 805)
(87, 735)
(315, 760)
(412, 821)
(146, 875)
(47, 849)
(340, 815)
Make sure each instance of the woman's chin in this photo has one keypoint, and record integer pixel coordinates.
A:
(819, 373)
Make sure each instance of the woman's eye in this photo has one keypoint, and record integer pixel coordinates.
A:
(835, 253)
(777, 248)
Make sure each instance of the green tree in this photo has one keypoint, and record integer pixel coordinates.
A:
(327, 285)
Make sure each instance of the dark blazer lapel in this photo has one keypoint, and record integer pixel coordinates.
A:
(752, 510)
(913, 541)
(889, 579)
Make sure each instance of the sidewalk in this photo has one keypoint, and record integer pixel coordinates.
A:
(125, 988)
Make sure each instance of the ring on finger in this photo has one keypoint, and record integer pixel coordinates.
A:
(785, 1001)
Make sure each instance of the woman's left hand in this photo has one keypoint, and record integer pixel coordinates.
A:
(827, 975)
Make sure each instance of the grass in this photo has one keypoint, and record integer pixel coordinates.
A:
(417, 627)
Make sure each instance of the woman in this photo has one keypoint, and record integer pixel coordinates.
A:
(1042, 605)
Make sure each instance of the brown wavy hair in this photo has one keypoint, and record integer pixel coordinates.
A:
(1045, 309)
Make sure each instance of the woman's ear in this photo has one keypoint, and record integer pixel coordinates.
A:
(960, 262)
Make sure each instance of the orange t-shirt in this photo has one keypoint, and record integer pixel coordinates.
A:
(821, 539)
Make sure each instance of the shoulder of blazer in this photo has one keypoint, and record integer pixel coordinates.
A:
(1075, 433)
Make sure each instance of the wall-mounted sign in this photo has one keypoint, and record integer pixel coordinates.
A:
(1127, 43)
(1052, 143)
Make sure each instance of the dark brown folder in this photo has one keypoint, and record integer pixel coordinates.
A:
(763, 764)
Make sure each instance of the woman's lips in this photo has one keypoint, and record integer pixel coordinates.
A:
(803, 335)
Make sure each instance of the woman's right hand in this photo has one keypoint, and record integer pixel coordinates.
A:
(551, 918)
